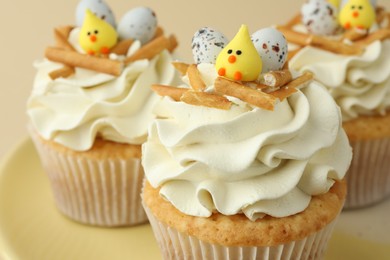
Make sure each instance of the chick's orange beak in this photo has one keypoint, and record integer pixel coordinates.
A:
(93, 38)
(355, 14)
(232, 59)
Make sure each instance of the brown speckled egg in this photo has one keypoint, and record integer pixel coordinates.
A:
(207, 43)
(272, 47)
(320, 17)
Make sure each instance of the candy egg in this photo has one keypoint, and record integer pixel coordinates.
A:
(272, 47)
(207, 43)
(320, 17)
(98, 7)
(139, 23)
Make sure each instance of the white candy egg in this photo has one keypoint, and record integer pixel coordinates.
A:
(139, 23)
(207, 43)
(320, 17)
(98, 7)
(272, 47)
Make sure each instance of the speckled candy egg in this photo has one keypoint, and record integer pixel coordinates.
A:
(272, 47)
(320, 17)
(139, 23)
(207, 43)
(98, 7)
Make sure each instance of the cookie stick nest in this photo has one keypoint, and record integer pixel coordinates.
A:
(251, 92)
(61, 35)
(194, 95)
(361, 38)
(303, 39)
(66, 54)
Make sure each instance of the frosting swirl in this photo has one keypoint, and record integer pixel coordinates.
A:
(246, 160)
(359, 84)
(73, 111)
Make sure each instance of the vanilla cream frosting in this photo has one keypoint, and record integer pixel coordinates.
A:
(246, 160)
(73, 111)
(359, 84)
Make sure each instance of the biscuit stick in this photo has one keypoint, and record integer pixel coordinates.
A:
(64, 72)
(181, 67)
(379, 35)
(122, 47)
(154, 47)
(291, 87)
(196, 81)
(320, 42)
(75, 59)
(276, 79)
(61, 35)
(173, 92)
(206, 99)
(252, 96)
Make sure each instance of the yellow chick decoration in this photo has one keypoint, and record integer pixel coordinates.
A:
(357, 14)
(239, 60)
(96, 35)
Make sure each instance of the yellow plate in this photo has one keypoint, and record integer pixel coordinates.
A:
(32, 228)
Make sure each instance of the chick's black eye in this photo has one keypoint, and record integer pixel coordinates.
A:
(353, 7)
(96, 31)
(88, 33)
(230, 51)
(360, 7)
(238, 52)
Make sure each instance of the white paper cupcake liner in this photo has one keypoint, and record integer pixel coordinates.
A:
(368, 178)
(176, 245)
(103, 192)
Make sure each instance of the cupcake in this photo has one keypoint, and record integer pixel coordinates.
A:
(348, 51)
(90, 108)
(244, 161)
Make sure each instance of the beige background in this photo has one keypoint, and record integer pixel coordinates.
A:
(26, 29)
